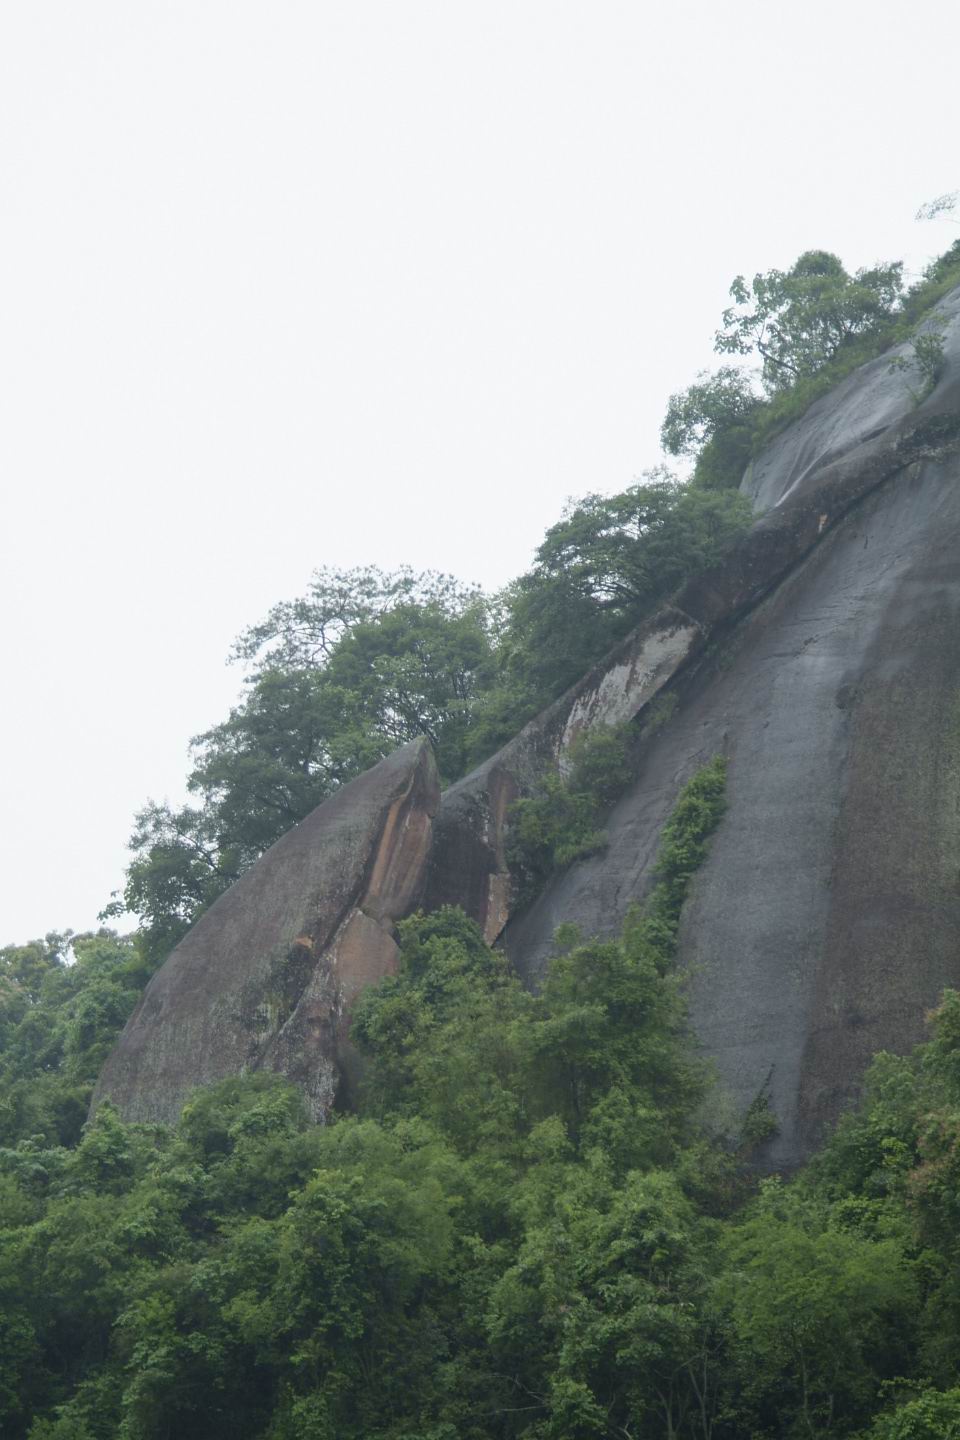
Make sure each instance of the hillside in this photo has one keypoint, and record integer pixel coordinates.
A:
(543, 1022)
(819, 656)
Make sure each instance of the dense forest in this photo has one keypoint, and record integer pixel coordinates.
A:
(538, 1217)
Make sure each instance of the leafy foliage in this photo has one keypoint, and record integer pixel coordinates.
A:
(713, 404)
(250, 1275)
(608, 562)
(798, 320)
(522, 1233)
(361, 664)
(559, 821)
(62, 1003)
(927, 357)
(810, 326)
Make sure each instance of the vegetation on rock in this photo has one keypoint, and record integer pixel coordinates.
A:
(810, 326)
(365, 661)
(63, 1001)
(558, 822)
(527, 1228)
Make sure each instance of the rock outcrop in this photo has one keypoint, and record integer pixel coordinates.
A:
(266, 978)
(822, 657)
(821, 469)
(826, 919)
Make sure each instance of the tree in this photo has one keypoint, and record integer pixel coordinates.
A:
(932, 1415)
(605, 564)
(417, 670)
(443, 1037)
(713, 405)
(927, 357)
(305, 632)
(817, 1312)
(62, 1003)
(798, 320)
(340, 677)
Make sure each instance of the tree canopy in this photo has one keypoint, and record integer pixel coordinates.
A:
(527, 1230)
(797, 320)
(607, 562)
(338, 678)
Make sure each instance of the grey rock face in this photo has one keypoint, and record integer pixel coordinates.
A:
(864, 405)
(827, 918)
(822, 657)
(266, 978)
(469, 866)
(812, 498)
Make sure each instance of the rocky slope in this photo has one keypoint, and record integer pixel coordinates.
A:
(266, 977)
(822, 657)
(827, 917)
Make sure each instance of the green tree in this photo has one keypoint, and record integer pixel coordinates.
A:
(558, 822)
(713, 404)
(797, 320)
(601, 1317)
(417, 670)
(932, 1415)
(712, 420)
(304, 633)
(817, 1313)
(364, 662)
(62, 1003)
(927, 356)
(608, 562)
(444, 1037)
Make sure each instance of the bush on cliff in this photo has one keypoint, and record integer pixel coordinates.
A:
(811, 326)
(559, 821)
(610, 560)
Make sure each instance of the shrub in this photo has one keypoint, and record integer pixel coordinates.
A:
(558, 822)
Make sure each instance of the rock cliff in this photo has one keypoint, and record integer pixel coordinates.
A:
(266, 977)
(822, 657)
(827, 668)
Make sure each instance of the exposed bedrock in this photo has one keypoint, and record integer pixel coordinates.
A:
(822, 656)
(826, 919)
(819, 471)
(266, 978)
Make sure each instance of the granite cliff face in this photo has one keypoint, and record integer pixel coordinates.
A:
(266, 977)
(822, 657)
(826, 919)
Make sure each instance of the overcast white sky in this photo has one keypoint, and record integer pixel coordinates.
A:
(291, 284)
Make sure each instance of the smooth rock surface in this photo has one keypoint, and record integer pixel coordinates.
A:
(852, 441)
(266, 977)
(863, 405)
(826, 919)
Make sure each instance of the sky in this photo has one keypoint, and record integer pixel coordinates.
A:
(285, 285)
